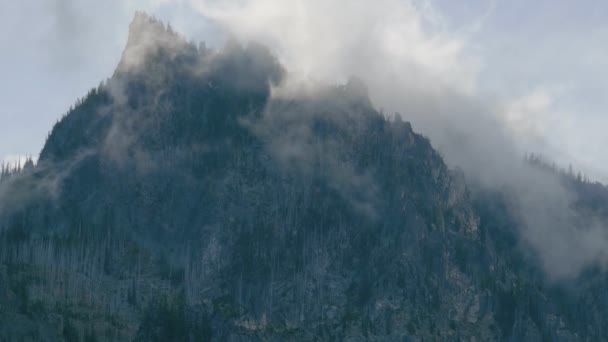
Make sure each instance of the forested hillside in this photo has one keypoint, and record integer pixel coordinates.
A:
(182, 200)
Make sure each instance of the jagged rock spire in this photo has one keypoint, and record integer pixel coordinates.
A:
(147, 35)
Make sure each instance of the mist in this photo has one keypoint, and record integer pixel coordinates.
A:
(415, 66)
(413, 63)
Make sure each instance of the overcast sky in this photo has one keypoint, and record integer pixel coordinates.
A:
(545, 61)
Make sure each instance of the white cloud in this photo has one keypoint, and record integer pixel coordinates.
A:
(332, 39)
(408, 52)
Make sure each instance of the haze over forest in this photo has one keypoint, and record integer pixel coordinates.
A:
(319, 170)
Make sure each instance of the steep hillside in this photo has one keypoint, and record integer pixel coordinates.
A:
(180, 201)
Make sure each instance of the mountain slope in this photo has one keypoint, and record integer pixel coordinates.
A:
(180, 200)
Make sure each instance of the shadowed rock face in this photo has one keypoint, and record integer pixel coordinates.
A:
(180, 201)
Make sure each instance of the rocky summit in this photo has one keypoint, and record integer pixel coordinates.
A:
(184, 199)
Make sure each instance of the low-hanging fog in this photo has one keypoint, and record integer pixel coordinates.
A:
(415, 66)
(438, 67)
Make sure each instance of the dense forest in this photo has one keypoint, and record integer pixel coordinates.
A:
(180, 201)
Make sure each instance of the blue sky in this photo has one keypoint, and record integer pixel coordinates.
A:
(544, 62)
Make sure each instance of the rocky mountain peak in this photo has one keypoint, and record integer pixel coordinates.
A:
(172, 204)
(147, 36)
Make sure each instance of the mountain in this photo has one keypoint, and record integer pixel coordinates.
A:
(185, 200)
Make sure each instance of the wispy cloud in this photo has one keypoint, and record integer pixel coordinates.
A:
(443, 79)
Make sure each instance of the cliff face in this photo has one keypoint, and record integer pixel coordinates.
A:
(181, 201)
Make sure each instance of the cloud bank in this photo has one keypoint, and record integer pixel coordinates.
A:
(413, 62)
(415, 65)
